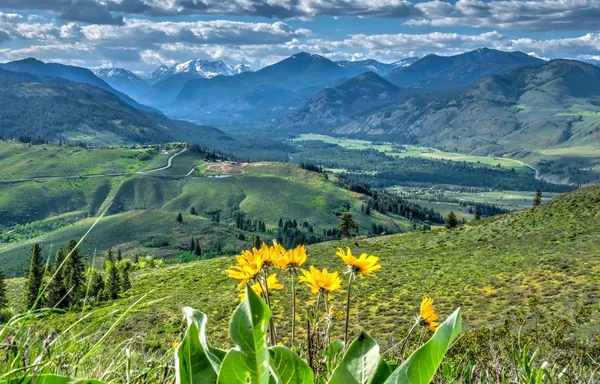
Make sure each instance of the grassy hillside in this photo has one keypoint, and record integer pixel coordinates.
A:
(142, 206)
(492, 269)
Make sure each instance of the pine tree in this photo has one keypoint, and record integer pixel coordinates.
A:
(119, 255)
(125, 278)
(113, 283)
(477, 215)
(537, 200)
(193, 211)
(56, 287)
(97, 285)
(192, 245)
(451, 221)
(348, 226)
(74, 274)
(256, 242)
(35, 276)
(179, 218)
(3, 296)
(197, 249)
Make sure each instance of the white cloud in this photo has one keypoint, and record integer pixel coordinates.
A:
(544, 15)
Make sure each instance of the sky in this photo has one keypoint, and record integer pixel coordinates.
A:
(141, 35)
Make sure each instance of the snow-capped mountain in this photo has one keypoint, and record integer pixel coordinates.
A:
(375, 66)
(124, 81)
(405, 62)
(198, 68)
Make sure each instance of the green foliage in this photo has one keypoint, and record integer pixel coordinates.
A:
(49, 379)
(74, 274)
(57, 291)
(348, 226)
(360, 363)
(422, 365)
(3, 294)
(451, 221)
(251, 361)
(35, 276)
(113, 280)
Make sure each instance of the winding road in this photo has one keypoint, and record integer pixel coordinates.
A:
(147, 172)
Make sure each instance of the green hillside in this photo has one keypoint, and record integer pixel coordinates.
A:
(492, 269)
(141, 205)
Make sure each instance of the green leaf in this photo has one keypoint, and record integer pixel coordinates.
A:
(383, 372)
(333, 354)
(49, 379)
(359, 364)
(248, 362)
(289, 367)
(196, 362)
(421, 366)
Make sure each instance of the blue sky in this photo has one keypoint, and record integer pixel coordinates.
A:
(140, 35)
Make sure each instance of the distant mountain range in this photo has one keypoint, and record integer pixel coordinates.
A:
(483, 101)
(443, 72)
(514, 112)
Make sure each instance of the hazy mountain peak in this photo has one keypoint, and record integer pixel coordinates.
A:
(198, 68)
(307, 56)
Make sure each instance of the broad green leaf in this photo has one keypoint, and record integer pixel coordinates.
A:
(248, 362)
(289, 367)
(49, 379)
(383, 372)
(333, 354)
(421, 366)
(195, 363)
(359, 364)
(214, 355)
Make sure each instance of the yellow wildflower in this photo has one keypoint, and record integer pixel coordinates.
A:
(249, 265)
(272, 284)
(365, 264)
(272, 255)
(321, 280)
(175, 345)
(427, 315)
(294, 258)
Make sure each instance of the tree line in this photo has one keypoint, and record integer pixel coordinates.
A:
(67, 283)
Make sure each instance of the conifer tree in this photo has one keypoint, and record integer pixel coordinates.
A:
(193, 211)
(537, 200)
(97, 285)
(56, 287)
(197, 249)
(192, 245)
(119, 255)
(74, 274)
(348, 226)
(113, 283)
(256, 243)
(3, 296)
(179, 218)
(125, 278)
(451, 221)
(35, 276)
(477, 215)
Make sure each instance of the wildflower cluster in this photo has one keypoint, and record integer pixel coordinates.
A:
(255, 268)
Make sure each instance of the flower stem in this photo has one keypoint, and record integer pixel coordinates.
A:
(328, 321)
(272, 334)
(347, 311)
(407, 337)
(293, 308)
